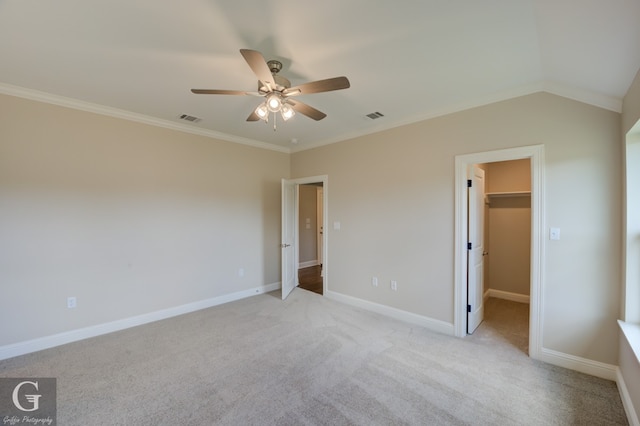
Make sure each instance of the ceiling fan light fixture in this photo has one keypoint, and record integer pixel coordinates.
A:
(262, 111)
(287, 112)
(274, 103)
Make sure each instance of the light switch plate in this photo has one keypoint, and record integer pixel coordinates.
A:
(554, 234)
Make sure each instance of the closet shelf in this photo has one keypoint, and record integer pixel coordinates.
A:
(508, 194)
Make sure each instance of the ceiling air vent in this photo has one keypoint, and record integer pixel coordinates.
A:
(190, 118)
(375, 115)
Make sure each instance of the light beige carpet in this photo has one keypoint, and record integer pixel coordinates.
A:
(313, 361)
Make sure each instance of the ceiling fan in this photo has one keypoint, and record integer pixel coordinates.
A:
(277, 90)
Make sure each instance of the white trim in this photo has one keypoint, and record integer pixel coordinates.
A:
(21, 348)
(573, 93)
(48, 98)
(583, 365)
(631, 332)
(449, 109)
(611, 103)
(429, 323)
(308, 264)
(576, 94)
(507, 295)
(627, 403)
(536, 155)
(319, 223)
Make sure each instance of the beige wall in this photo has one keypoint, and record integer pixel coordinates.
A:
(132, 219)
(509, 176)
(509, 227)
(393, 194)
(308, 214)
(126, 217)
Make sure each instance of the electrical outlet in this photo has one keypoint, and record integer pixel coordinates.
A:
(374, 281)
(71, 302)
(394, 285)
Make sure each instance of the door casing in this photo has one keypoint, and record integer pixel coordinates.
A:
(536, 155)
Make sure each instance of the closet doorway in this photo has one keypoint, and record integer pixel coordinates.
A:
(507, 249)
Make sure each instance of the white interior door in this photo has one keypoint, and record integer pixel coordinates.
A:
(475, 265)
(288, 243)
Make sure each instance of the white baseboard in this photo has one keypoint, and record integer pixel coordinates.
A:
(514, 297)
(583, 365)
(308, 264)
(632, 416)
(21, 348)
(429, 323)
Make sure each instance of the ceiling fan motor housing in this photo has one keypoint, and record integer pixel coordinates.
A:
(274, 66)
(281, 84)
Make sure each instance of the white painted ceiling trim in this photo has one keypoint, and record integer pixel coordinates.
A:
(48, 98)
(598, 100)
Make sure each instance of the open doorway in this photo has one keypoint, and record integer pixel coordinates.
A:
(534, 154)
(311, 231)
(292, 224)
(506, 249)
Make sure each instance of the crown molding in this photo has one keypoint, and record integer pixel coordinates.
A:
(610, 103)
(49, 98)
(591, 98)
(580, 95)
(434, 113)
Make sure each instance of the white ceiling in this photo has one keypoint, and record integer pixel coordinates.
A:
(409, 60)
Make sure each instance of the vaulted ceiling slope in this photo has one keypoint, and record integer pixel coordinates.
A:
(409, 60)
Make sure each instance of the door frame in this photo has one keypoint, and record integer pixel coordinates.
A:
(325, 215)
(320, 224)
(536, 155)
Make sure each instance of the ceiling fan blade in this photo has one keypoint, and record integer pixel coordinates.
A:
(218, 92)
(253, 117)
(259, 66)
(336, 83)
(307, 110)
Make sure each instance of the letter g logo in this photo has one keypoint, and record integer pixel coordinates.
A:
(34, 399)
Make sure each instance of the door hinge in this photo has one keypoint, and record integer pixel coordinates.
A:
(469, 183)
(469, 308)
(469, 246)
